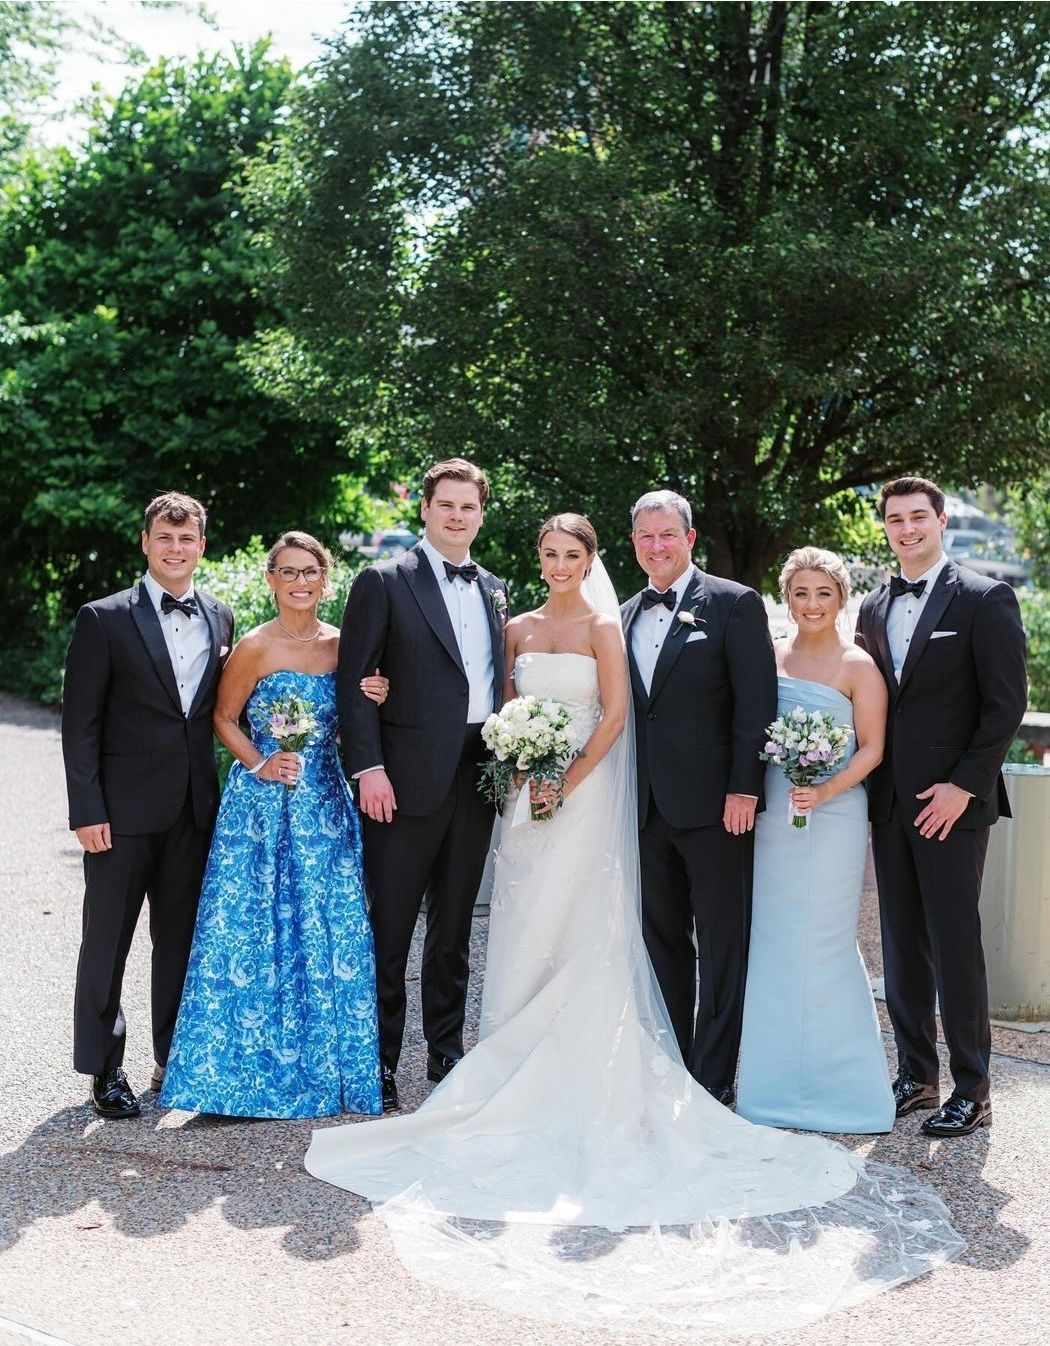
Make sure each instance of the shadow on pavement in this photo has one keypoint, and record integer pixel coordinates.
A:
(151, 1176)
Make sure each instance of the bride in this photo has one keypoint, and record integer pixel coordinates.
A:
(569, 1167)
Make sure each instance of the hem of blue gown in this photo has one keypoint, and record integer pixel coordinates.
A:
(208, 1108)
(821, 1125)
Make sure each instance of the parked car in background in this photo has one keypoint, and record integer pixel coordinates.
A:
(385, 542)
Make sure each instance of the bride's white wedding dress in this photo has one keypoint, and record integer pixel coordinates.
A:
(569, 1167)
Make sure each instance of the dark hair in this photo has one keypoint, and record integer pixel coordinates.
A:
(177, 508)
(575, 525)
(910, 486)
(305, 542)
(455, 469)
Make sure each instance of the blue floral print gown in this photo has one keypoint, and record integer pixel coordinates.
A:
(278, 1012)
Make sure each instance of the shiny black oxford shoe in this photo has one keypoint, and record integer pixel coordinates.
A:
(909, 1095)
(111, 1095)
(958, 1117)
(391, 1102)
(438, 1066)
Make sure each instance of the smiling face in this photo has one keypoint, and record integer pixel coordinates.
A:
(564, 561)
(915, 532)
(296, 592)
(814, 600)
(172, 551)
(452, 517)
(662, 545)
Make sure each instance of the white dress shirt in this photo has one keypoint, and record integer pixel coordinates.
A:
(188, 640)
(651, 627)
(904, 614)
(470, 625)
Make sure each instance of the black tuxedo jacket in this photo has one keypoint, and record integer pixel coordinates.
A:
(702, 725)
(396, 620)
(130, 752)
(961, 696)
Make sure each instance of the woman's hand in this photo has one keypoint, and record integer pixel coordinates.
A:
(805, 798)
(282, 768)
(546, 796)
(376, 687)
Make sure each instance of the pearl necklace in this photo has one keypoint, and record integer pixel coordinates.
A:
(292, 636)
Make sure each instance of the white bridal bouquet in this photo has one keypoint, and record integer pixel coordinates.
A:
(528, 736)
(805, 744)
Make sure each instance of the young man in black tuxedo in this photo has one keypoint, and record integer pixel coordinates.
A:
(705, 690)
(432, 621)
(951, 647)
(141, 674)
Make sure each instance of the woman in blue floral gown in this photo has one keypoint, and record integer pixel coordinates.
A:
(278, 1012)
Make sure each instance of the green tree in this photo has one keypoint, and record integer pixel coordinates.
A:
(129, 295)
(764, 253)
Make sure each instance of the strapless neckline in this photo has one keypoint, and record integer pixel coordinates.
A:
(554, 654)
(808, 682)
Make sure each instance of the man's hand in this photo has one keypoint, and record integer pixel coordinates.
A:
(739, 815)
(376, 795)
(95, 838)
(946, 806)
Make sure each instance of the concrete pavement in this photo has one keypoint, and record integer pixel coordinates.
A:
(204, 1231)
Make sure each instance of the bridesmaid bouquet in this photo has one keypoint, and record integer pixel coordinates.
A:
(528, 735)
(805, 744)
(291, 720)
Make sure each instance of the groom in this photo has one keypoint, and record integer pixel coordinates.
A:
(432, 620)
(141, 675)
(705, 689)
(951, 647)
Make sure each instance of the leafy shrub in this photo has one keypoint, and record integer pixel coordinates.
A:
(1035, 611)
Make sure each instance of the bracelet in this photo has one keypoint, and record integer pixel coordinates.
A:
(254, 770)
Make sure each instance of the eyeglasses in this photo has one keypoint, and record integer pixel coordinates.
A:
(311, 574)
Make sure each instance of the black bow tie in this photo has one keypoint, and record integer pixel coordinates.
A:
(899, 586)
(468, 571)
(184, 605)
(650, 598)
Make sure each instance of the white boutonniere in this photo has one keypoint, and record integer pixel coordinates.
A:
(687, 620)
(499, 604)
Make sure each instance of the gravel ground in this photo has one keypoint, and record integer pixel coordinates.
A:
(202, 1231)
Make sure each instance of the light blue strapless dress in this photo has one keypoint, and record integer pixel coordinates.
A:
(278, 1012)
(811, 1054)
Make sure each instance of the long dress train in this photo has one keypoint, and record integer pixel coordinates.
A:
(811, 1053)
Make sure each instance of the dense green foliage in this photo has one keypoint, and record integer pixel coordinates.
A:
(1035, 611)
(760, 252)
(129, 294)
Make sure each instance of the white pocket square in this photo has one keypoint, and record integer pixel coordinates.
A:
(695, 635)
(940, 635)
(223, 651)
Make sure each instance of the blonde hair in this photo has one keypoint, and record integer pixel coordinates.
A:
(815, 558)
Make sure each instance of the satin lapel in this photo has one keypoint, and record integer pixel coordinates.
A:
(489, 589)
(209, 610)
(695, 597)
(942, 595)
(881, 652)
(634, 606)
(144, 615)
(420, 576)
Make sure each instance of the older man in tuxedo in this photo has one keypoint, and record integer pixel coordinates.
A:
(951, 648)
(141, 674)
(705, 690)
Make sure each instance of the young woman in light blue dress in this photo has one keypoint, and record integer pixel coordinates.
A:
(811, 1054)
(278, 1012)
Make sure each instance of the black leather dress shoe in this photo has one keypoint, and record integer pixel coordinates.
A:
(438, 1066)
(909, 1095)
(391, 1102)
(111, 1094)
(725, 1096)
(958, 1117)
